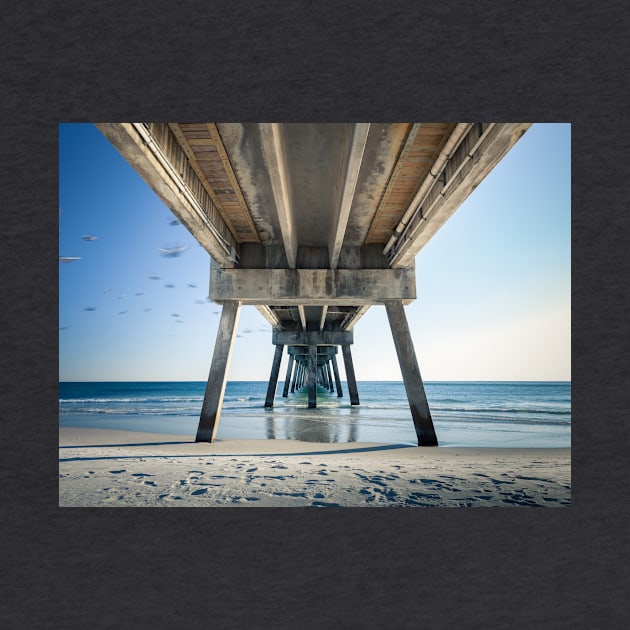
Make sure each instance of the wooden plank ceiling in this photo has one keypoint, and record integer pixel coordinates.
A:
(208, 157)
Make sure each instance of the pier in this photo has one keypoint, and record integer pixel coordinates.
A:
(313, 223)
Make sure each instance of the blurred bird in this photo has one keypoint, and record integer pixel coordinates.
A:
(66, 259)
(89, 237)
(173, 252)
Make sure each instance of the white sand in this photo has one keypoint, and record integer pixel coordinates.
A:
(122, 468)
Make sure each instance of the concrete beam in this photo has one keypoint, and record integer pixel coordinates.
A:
(215, 388)
(312, 287)
(302, 313)
(411, 375)
(322, 351)
(352, 167)
(350, 321)
(275, 156)
(314, 337)
(322, 319)
(183, 192)
(268, 314)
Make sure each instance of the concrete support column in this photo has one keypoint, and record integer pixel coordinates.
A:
(324, 380)
(287, 380)
(312, 377)
(215, 388)
(331, 387)
(352, 383)
(273, 378)
(296, 369)
(337, 379)
(411, 374)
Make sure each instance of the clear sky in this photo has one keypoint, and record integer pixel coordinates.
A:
(493, 285)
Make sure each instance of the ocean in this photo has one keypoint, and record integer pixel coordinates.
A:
(497, 414)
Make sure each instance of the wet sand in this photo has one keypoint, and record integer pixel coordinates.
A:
(106, 468)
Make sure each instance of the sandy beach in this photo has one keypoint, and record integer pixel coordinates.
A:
(106, 468)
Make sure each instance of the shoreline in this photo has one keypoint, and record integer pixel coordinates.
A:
(103, 467)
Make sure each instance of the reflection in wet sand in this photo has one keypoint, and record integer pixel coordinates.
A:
(313, 425)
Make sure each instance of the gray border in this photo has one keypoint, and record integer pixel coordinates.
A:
(551, 568)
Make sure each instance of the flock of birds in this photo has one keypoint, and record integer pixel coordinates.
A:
(166, 252)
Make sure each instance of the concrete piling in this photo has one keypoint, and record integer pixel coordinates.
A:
(411, 374)
(215, 388)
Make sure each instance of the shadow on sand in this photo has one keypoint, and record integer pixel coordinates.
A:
(341, 451)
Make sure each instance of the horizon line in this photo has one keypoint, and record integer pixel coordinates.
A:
(358, 381)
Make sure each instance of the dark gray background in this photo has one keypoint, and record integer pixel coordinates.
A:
(307, 568)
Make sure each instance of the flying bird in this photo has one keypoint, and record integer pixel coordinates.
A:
(89, 237)
(154, 277)
(89, 308)
(66, 259)
(173, 252)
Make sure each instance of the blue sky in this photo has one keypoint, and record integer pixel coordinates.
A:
(493, 285)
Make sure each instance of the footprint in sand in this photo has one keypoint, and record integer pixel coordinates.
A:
(117, 472)
(193, 477)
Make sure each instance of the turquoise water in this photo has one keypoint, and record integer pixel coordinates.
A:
(500, 414)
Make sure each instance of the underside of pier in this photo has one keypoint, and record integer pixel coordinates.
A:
(313, 223)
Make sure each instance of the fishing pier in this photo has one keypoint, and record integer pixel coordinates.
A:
(313, 223)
